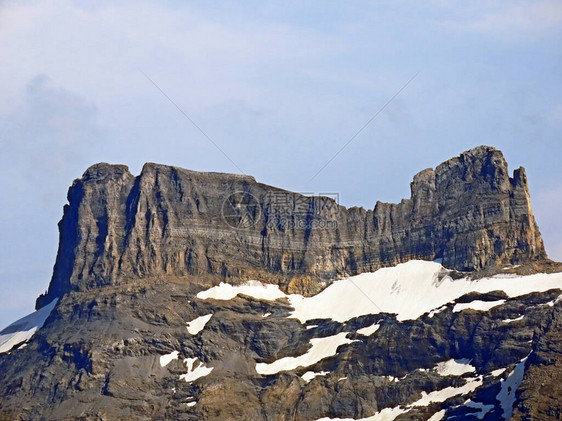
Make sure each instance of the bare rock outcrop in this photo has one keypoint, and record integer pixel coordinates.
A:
(172, 223)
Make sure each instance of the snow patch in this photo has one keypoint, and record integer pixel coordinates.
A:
(551, 303)
(369, 330)
(195, 372)
(309, 375)
(197, 325)
(478, 305)
(438, 396)
(321, 348)
(509, 387)
(166, 359)
(455, 367)
(23, 329)
(253, 289)
(506, 275)
(513, 320)
(497, 372)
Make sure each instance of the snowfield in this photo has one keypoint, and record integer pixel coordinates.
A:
(408, 290)
(509, 387)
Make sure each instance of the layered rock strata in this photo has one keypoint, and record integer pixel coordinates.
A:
(175, 223)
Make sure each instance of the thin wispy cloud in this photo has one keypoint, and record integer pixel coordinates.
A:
(509, 20)
(51, 135)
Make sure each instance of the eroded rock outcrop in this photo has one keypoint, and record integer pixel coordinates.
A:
(171, 223)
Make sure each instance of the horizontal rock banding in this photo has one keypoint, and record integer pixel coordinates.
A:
(171, 222)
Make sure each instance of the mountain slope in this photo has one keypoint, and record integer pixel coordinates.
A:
(251, 352)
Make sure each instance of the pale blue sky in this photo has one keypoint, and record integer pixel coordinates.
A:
(280, 86)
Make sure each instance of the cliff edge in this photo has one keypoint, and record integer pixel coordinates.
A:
(172, 223)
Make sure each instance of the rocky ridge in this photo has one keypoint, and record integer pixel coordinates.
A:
(171, 223)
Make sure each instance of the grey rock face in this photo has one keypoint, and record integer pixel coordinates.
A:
(171, 223)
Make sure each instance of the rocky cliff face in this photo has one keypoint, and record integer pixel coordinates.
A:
(171, 223)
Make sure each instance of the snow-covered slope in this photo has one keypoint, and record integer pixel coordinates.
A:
(408, 290)
(23, 329)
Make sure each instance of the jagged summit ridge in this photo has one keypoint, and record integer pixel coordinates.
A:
(172, 223)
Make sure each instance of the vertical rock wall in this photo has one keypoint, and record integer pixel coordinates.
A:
(171, 222)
